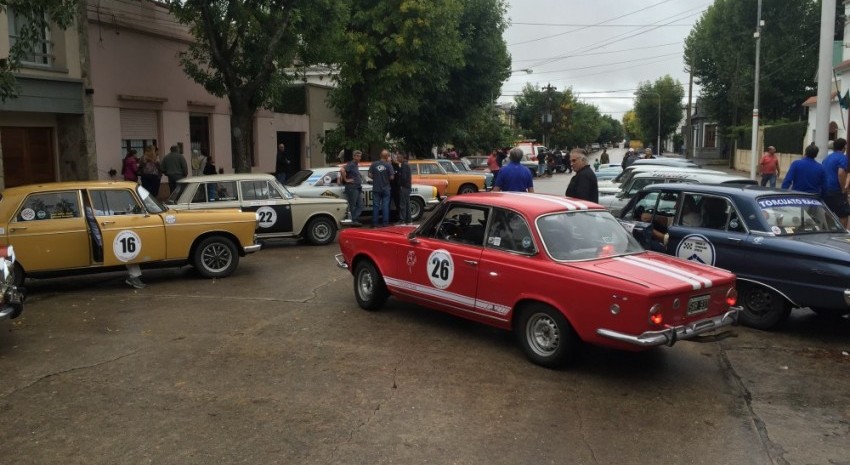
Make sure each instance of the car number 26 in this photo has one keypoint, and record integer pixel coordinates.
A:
(441, 269)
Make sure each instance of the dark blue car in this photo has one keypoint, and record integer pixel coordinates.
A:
(786, 248)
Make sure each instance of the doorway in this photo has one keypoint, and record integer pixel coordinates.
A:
(28, 155)
(292, 141)
(199, 133)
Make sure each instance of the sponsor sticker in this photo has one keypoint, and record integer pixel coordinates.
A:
(788, 201)
(28, 214)
(441, 268)
(697, 248)
(170, 219)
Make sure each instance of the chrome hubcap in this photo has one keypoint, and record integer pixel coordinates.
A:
(365, 285)
(542, 334)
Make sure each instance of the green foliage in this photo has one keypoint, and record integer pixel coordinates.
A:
(611, 130)
(291, 99)
(786, 137)
(243, 48)
(665, 95)
(483, 133)
(39, 14)
(572, 123)
(721, 52)
(632, 125)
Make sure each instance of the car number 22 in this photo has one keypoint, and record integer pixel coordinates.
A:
(441, 269)
(267, 217)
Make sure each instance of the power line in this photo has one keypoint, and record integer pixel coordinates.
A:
(606, 53)
(591, 25)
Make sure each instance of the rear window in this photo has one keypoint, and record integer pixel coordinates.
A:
(50, 205)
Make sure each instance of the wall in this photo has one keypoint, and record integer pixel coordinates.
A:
(322, 118)
(743, 157)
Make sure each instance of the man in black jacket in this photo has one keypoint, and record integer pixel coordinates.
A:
(583, 184)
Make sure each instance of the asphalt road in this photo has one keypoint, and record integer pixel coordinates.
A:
(278, 365)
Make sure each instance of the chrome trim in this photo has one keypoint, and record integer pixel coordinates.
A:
(673, 334)
(738, 278)
(847, 296)
(252, 248)
(340, 261)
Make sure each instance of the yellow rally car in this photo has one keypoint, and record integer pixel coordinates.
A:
(458, 183)
(79, 227)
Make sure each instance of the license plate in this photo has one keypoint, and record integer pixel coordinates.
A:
(698, 304)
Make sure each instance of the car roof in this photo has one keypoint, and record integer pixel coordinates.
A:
(664, 162)
(532, 204)
(228, 177)
(752, 191)
(700, 175)
(65, 185)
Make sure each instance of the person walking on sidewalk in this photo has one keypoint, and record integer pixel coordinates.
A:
(806, 174)
(175, 167)
(769, 167)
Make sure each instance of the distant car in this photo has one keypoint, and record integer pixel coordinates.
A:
(477, 162)
(604, 174)
(666, 161)
(459, 183)
(615, 203)
(612, 186)
(461, 167)
(786, 248)
(594, 146)
(324, 183)
(531, 149)
(280, 213)
(556, 271)
(104, 225)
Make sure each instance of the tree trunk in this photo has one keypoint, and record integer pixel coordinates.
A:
(241, 131)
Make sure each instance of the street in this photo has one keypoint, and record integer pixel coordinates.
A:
(278, 364)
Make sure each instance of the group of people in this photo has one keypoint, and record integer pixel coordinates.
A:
(828, 180)
(149, 169)
(392, 183)
(632, 156)
(514, 177)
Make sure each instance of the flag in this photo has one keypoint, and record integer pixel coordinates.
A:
(844, 101)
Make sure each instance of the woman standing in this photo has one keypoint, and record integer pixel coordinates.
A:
(151, 172)
(130, 168)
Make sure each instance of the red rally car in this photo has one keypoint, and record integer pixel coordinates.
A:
(557, 271)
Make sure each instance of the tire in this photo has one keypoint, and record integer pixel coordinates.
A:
(417, 208)
(763, 308)
(829, 312)
(215, 257)
(18, 275)
(467, 189)
(546, 336)
(369, 287)
(320, 231)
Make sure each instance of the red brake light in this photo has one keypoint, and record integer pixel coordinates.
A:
(657, 319)
(731, 297)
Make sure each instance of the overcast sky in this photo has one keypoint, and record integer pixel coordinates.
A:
(601, 48)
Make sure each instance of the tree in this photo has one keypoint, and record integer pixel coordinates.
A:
(472, 86)
(394, 54)
(610, 131)
(721, 54)
(36, 16)
(242, 49)
(665, 95)
(631, 125)
(483, 132)
(573, 123)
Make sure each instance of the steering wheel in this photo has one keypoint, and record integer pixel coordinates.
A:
(448, 229)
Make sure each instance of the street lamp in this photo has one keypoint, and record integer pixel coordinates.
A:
(526, 71)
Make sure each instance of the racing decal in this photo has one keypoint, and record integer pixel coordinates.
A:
(266, 216)
(2, 230)
(785, 201)
(441, 268)
(526, 242)
(27, 214)
(411, 260)
(776, 230)
(758, 240)
(330, 193)
(41, 214)
(127, 245)
(695, 281)
(394, 283)
(697, 248)
(629, 227)
(170, 219)
(327, 179)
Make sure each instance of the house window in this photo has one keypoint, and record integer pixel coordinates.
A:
(41, 51)
(136, 144)
(710, 136)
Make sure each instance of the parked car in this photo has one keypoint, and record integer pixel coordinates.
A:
(612, 186)
(458, 183)
(442, 185)
(280, 213)
(531, 149)
(133, 226)
(461, 167)
(556, 271)
(324, 183)
(11, 297)
(477, 162)
(787, 248)
(608, 173)
(616, 202)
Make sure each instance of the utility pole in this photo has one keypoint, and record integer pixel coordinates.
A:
(824, 102)
(689, 147)
(546, 117)
(754, 140)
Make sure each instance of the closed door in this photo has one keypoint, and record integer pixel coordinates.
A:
(28, 156)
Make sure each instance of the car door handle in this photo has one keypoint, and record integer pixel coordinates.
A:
(471, 262)
(16, 228)
(104, 223)
(734, 239)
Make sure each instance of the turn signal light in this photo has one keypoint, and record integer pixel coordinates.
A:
(655, 315)
(731, 297)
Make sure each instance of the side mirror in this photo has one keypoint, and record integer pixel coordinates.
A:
(411, 237)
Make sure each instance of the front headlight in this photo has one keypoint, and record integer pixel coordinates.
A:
(433, 192)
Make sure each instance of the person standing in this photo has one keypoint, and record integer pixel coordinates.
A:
(835, 187)
(281, 164)
(583, 184)
(151, 172)
(199, 162)
(405, 184)
(514, 177)
(769, 167)
(806, 174)
(175, 167)
(541, 164)
(647, 154)
(130, 168)
(395, 189)
(603, 157)
(209, 166)
(349, 177)
(629, 158)
(381, 174)
(493, 165)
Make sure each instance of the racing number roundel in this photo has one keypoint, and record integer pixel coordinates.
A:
(126, 246)
(267, 216)
(441, 269)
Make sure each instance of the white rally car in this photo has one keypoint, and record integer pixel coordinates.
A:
(324, 182)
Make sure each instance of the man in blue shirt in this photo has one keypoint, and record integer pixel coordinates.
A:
(835, 193)
(349, 176)
(381, 173)
(514, 177)
(806, 174)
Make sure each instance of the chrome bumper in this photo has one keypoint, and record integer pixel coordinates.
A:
(13, 303)
(673, 334)
(340, 261)
(252, 248)
(432, 204)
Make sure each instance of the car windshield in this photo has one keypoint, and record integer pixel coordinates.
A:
(790, 215)
(584, 235)
(178, 191)
(152, 204)
(298, 178)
